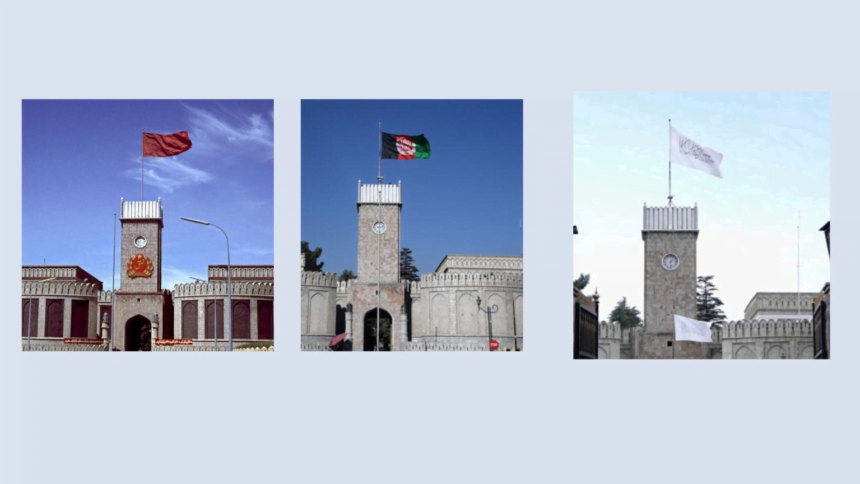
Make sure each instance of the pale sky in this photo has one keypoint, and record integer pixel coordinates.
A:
(776, 162)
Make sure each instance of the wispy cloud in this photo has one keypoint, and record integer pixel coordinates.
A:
(169, 174)
(170, 276)
(247, 128)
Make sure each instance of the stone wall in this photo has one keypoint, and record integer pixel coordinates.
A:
(736, 340)
(318, 314)
(779, 305)
(251, 292)
(374, 249)
(444, 308)
(57, 344)
(480, 263)
(609, 341)
(441, 310)
(209, 345)
(40, 292)
(767, 339)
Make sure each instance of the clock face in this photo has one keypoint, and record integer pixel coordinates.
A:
(670, 262)
(140, 242)
(379, 227)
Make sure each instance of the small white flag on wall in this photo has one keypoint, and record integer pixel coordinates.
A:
(684, 151)
(687, 329)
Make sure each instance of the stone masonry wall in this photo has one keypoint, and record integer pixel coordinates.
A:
(368, 243)
(669, 292)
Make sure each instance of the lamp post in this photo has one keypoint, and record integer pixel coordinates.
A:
(229, 290)
(30, 309)
(489, 311)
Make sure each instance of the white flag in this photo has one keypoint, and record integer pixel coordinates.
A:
(687, 329)
(684, 151)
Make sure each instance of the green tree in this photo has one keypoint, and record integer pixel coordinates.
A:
(408, 271)
(346, 275)
(311, 256)
(582, 281)
(707, 304)
(626, 316)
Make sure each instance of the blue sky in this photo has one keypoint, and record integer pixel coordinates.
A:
(776, 161)
(80, 157)
(466, 199)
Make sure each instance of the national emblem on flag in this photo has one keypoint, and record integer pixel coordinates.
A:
(405, 147)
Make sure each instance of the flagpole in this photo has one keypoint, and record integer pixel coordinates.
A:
(113, 285)
(141, 164)
(379, 236)
(670, 162)
(798, 264)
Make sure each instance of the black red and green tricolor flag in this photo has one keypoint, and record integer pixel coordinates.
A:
(405, 147)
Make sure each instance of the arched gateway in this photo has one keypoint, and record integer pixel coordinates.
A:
(370, 330)
(138, 334)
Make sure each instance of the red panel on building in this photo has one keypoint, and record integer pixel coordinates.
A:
(32, 320)
(210, 318)
(189, 319)
(54, 318)
(242, 319)
(80, 318)
(265, 320)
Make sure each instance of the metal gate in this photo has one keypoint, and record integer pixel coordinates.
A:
(585, 327)
(822, 352)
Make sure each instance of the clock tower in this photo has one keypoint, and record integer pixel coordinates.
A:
(670, 235)
(379, 207)
(139, 299)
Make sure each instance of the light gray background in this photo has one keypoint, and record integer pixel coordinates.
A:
(536, 416)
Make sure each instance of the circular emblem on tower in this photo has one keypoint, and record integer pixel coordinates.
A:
(139, 266)
(670, 262)
(140, 241)
(379, 227)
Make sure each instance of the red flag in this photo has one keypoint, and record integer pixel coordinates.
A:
(163, 145)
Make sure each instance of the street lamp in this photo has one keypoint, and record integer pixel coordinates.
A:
(229, 290)
(489, 311)
(30, 308)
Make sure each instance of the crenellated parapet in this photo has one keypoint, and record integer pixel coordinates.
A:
(610, 330)
(197, 289)
(324, 279)
(218, 272)
(57, 344)
(780, 305)
(315, 346)
(670, 218)
(345, 287)
(480, 263)
(63, 289)
(771, 339)
(467, 279)
(141, 210)
(105, 297)
(766, 329)
(421, 346)
(716, 335)
(627, 334)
